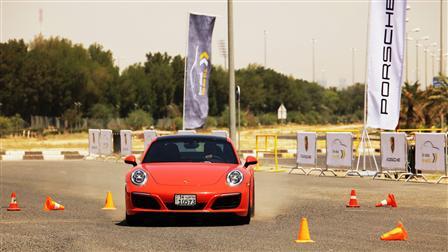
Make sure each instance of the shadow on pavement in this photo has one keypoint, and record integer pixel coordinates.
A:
(184, 220)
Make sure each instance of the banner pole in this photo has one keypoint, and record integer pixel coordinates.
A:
(185, 69)
(232, 124)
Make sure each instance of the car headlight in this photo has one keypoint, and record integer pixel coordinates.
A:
(139, 177)
(234, 178)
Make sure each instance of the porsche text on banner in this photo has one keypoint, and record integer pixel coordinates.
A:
(385, 63)
(198, 67)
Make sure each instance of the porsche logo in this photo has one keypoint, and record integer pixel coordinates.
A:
(186, 181)
(203, 64)
(392, 144)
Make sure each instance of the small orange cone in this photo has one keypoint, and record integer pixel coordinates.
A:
(50, 205)
(109, 202)
(390, 201)
(353, 201)
(13, 206)
(304, 233)
(396, 234)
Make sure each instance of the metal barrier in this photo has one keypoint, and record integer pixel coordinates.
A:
(446, 161)
(420, 130)
(265, 149)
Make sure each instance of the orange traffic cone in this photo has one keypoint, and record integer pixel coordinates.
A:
(390, 201)
(109, 202)
(396, 234)
(353, 201)
(304, 233)
(52, 205)
(13, 206)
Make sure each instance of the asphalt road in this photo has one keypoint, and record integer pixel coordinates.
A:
(281, 200)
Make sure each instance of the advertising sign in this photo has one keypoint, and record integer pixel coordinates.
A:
(198, 69)
(221, 133)
(126, 142)
(306, 148)
(385, 62)
(94, 141)
(393, 150)
(148, 136)
(106, 147)
(429, 151)
(339, 149)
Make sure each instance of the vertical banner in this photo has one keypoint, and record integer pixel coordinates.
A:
(148, 136)
(94, 141)
(198, 67)
(339, 149)
(106, 147)
(306, 148)
(430, 151)
(393, 150)
(385, 62)
(126, 142)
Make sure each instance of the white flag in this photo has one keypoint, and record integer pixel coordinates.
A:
(385, 62)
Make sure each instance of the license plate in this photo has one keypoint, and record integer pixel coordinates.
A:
(184, 199)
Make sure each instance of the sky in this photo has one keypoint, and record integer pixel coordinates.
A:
(130, 29)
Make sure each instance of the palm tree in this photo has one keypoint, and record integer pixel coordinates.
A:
(411, 105)
(435, 104)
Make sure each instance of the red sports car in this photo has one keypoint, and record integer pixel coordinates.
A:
(190, 174)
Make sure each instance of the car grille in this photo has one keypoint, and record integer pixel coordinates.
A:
(227, 202)
(172, 206)
(144, 201)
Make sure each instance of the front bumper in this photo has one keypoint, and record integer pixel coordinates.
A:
(206, 202)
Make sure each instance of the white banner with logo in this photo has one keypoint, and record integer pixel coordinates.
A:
(393, 150)
(148, 136)
(94, 141)
(339, 149)
(106, 147)
(126, 142)
(221, 133)
(306, 148)
(429, 151)
(385, 62)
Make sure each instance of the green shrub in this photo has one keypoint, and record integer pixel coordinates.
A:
(5, 124)
(178, 121)
(268, 119)
(165, 124)
(139, 119)
(211, 122)
(117, 124)
(102, 111)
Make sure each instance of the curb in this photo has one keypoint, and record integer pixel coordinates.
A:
(41, 155)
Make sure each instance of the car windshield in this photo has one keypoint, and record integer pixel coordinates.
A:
(191, 150)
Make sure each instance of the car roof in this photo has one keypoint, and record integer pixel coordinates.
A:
(195, 136)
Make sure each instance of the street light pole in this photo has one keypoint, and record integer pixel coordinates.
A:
(416, 60)
(314, 60)
(232, 126)
(426, 67)
(416, 55)
(265, 47)
(441, 70)
(353, 65)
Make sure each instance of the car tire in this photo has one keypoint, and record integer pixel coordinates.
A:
(252, 212)
(132, 220)
(244, 220)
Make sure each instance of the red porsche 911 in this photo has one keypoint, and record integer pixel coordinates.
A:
(190, 174)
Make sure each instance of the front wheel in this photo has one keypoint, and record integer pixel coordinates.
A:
(244, 220)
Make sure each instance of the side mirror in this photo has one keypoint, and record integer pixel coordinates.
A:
(130, 160)
(250, 161)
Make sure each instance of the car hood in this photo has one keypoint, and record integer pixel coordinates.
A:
(188, 174)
